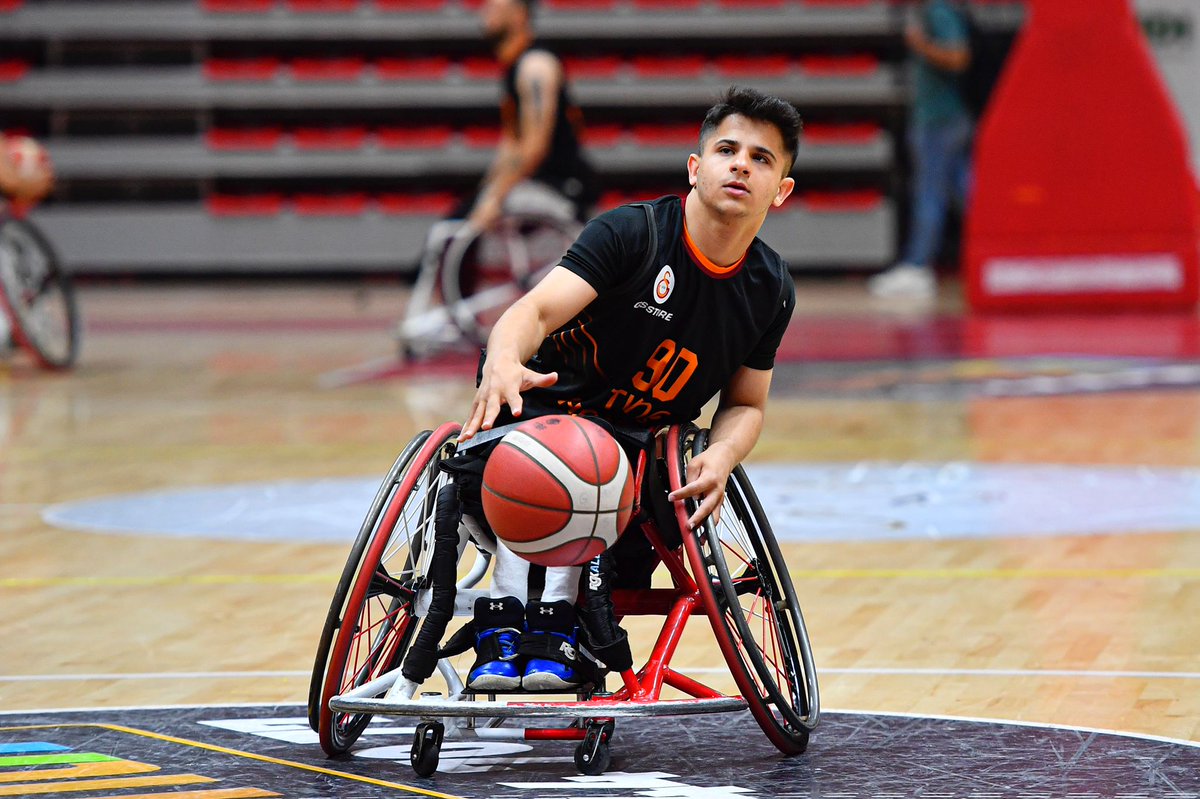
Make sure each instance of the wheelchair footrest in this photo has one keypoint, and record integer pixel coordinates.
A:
(526, 707)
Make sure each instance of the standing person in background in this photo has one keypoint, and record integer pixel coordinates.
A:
(539, 165)
(939, 140)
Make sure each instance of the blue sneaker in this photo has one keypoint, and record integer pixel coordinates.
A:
(498, 624)
(551, 641)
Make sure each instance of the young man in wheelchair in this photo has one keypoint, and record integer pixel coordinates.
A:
(656, 308)
(21, 186)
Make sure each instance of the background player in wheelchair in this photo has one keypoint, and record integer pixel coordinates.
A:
(527, 208)
(582, 342)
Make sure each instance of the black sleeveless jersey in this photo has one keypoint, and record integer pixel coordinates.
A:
(564, 167)
(664, 335)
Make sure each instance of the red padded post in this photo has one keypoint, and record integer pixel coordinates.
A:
(1083, 196)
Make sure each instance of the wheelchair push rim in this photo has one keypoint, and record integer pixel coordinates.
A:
(750, 601)
(38, 295)
(376, 621)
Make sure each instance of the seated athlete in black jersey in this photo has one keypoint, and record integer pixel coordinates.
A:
(647, 317)
(539, 166)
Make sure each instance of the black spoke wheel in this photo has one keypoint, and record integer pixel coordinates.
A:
(751, 603)
(371, 620)
(38, 294)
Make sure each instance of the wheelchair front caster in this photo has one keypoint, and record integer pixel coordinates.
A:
(592, 755)
(426, 747)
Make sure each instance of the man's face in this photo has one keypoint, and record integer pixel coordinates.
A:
(740, 169)
(499, 17)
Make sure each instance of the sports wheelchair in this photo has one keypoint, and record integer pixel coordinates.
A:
(468, 277)
(386, 614)
(36, 294)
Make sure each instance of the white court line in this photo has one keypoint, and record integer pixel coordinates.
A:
(238, 675)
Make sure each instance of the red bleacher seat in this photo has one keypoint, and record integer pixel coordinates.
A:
(602, 135)
(322, 6)
(241, 68)
(480, 68)
(330, 204)
(841, 201)
(429, 136)
(243, 138)
(237, 6)
(409, 5)
(10, 5)
(335, 69)
(839, 134)
(435, 203)
(686, 66)
(482, 136)
(13, 70)
(666, 135)
(349, 138)
(752, 3)
(838, 2)
(611, 199)
(839, 65)
(592, 67)
(244, 205)
(580, 5)
(753, 65)
(666, 4)
(431, 68)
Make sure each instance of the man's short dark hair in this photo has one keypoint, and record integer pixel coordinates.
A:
(759, 107)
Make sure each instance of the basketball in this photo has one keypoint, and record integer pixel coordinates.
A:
(558, 490)
(28, 158)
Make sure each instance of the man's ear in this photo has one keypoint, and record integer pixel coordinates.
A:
(785, 189)
(693, 164)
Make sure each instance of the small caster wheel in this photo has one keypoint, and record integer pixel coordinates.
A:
(592, 755)
(426, 747)
(593, 763)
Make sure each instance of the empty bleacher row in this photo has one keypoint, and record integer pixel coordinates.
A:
(245, 135)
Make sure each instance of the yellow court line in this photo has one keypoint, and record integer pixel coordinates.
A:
(239, 753)
(182, 579)
(1001, 574)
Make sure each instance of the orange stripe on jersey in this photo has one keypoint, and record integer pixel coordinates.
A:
(707, 266)
(595, 350)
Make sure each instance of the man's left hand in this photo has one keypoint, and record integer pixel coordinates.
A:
(707, 474)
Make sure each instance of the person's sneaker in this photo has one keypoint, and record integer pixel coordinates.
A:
(904, 280)
(498, 623)
(551, 642)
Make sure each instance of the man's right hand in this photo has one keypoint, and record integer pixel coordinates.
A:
(502, 384)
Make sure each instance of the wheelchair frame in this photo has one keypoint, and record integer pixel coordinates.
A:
(450, 305)
(36, 294)
(376, 607)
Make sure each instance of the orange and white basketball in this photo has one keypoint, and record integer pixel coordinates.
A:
(558, 490)
(29, 159)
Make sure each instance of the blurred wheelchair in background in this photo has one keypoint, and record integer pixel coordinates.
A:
(468, 277)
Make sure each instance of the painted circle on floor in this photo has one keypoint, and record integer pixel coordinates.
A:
(804, 501)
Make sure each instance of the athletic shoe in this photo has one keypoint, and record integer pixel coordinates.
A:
(498, 623)
(904, 281)
(551, 642)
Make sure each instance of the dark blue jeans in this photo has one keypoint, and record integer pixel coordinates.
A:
(941, 173)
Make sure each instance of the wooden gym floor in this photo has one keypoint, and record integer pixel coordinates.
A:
(196, 385)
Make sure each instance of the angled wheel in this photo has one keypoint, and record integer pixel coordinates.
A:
(750, 600)
(485, 272)
(38, 294)
(371, 620)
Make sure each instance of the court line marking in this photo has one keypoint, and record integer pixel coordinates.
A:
(239, 753)
(869, 672)
(811, 574)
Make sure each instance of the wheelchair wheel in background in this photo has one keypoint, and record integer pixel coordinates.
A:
(484, 272)
(38, 294)
(371, 620)
(751, 602)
